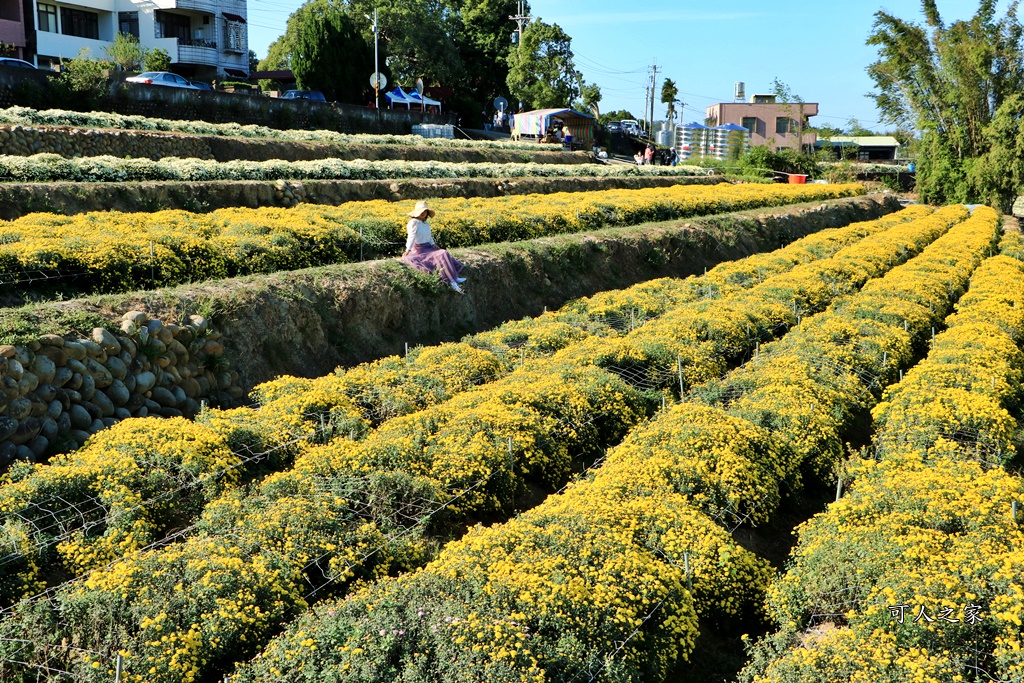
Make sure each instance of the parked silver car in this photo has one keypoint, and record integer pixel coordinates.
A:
(20, 63)
(164, 78)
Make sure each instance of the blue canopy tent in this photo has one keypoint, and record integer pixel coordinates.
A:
(422, 100)
(398, 95)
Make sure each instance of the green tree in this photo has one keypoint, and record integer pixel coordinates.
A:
(279, 53)
(669, 93)
(415, 37)
(590, 96)
(541, 73)
(948, 81)
(156, 59)
(483, 40)
(997, 176)
(330, 54)
(854, 129)
(617, 115)
(254, 62)
(126, 52)
(82, 83)
(795, 110)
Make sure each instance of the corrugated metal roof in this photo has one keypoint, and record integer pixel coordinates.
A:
(865, 141)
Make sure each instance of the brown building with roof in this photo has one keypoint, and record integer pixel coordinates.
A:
(771, 123)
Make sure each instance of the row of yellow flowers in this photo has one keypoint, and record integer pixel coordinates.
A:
(918, 569)
(127, 483)
(316, 516)
(610, 576)
(113, 251)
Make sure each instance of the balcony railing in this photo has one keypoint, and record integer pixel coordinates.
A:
(198, 54)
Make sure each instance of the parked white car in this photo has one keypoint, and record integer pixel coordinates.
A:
(164, 78)
(630, 126)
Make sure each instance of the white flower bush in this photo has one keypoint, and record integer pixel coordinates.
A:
(55, 168)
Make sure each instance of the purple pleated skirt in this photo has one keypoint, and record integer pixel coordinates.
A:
(432, 259)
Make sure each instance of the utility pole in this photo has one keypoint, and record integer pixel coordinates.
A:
(521, 20)
(376, 63)
(647, 97)
(654, 90)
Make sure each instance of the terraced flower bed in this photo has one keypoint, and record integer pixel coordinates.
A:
(355, 508)
(116, 252)
(915, 574)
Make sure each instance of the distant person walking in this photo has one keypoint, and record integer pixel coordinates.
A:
(649, 155)
(422, 254)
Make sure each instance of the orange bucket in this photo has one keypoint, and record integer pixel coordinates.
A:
(797, 179)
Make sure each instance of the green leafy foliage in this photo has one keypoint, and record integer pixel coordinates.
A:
(949, 81)
(541, 72)
(81, 79)
(329, 53)
(157, 59)
(126, 52)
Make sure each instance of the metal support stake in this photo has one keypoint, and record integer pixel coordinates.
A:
(686, 566)
(117, 669)
(152, 264)
(839, 487)
(906, 326)
(407, 349)
(679, 370)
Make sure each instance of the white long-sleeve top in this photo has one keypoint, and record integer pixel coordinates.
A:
(419, 233)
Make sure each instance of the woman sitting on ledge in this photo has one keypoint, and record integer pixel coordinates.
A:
(422, 254)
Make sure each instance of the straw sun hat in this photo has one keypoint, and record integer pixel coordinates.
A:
(421, 208)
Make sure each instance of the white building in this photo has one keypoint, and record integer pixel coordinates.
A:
(206, 38)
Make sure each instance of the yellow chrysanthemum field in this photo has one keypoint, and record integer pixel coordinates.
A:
(604, 492)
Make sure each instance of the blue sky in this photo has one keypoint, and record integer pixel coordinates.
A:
(817, 48)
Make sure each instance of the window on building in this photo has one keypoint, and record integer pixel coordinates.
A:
(79, 23)
(128, 23)
(47, 18)
(173, 26)
(784, 125)
(234, 36)
(750, 123)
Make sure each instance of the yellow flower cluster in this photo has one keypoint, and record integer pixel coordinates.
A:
(125, 489)
(295, 409)
(656, 296)
(117, 251)
(704, 338)
(644, 505)
(920, 564)
(342, 512)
